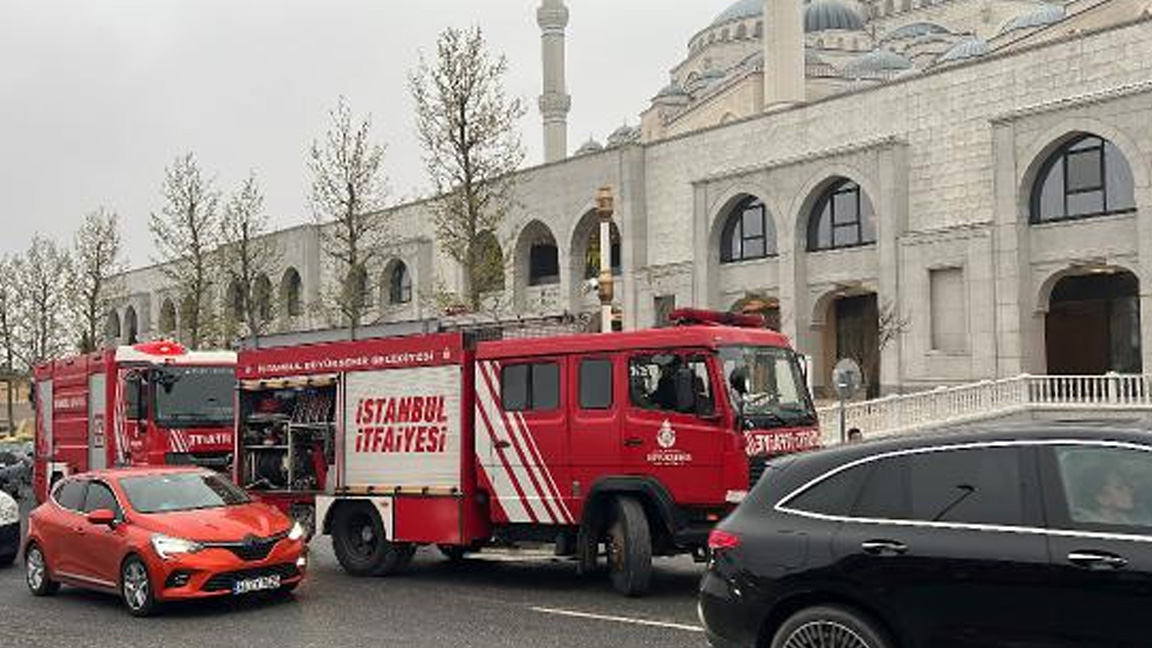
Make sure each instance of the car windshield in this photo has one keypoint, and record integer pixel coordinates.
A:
(166, 493)
(777, 395)
(191, 396)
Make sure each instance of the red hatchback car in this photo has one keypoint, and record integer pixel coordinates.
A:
(162, 534)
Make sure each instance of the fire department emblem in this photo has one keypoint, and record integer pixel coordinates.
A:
(666, 437)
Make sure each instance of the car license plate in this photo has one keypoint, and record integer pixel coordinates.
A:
(256, 584)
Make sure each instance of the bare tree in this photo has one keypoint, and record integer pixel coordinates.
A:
(468, 128)
(185, 233)
(96, 251)
(8, 304)
(248, 256)
(348, 195)
(43, 299)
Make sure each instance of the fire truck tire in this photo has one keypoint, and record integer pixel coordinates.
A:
(629, 545)
(359, 542)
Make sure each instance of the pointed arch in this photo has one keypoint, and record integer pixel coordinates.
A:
(131, 326)
(489, 273)
(397, 283)
(537, 255)
(112, 325)
(262, 297)
(168, 317)
(291, 289)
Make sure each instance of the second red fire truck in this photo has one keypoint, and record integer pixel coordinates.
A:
(151, 404)
(628, 445)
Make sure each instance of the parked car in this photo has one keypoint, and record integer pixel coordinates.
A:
(1022, 536)
(160, 534)
(9, 529)
(15, 467)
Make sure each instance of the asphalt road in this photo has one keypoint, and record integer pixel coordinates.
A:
(532, 602)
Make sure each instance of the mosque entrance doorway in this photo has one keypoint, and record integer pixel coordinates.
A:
(1093, 324)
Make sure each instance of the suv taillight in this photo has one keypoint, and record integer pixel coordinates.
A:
(720, 541)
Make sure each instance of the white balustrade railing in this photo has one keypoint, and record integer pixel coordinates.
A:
(987, 399)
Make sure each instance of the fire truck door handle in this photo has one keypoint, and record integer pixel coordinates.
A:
(633, 442)
(501, 444)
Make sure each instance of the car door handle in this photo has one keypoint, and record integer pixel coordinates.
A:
(1097, 560)
(884, 547)
(633, 442)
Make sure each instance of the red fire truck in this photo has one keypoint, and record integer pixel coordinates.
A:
(151, 404)
(635, 442)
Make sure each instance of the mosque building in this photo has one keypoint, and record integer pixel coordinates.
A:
(947, 190)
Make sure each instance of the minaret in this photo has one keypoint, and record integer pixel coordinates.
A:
(552, 16)
(783, 53)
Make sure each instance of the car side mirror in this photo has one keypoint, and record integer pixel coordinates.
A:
(102, 517)
(738, 379)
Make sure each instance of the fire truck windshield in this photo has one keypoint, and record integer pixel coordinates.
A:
(194, 396)
(776, 394)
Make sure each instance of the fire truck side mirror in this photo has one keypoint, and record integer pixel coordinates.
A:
(738, 379)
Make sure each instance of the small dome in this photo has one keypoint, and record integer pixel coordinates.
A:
(824, 15)
(673, 89)
(915, 30)
(589, 147)
(877, 63)
(741, 10)
(1045, 14)
(622, 135)
(968, 48)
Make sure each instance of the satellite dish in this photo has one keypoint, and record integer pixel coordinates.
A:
(847, 377)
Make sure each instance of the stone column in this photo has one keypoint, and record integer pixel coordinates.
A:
(783, 53)
(552, 16)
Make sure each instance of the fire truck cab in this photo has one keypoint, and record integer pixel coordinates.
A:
(150, 404)
(624, 445)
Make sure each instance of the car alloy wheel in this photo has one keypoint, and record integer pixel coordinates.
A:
(136, 586)
(825, 634)
(34, 566)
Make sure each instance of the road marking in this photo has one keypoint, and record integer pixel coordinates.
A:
(618, 619)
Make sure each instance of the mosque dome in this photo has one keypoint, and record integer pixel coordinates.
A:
(673, 89)
(741, 10)
(877, 63)
(1045, 14)
(968, 48)
(622, 136)
(589, 147)
(915, 30)
(825, 15)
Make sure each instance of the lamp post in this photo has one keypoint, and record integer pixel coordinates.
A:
(604, 209)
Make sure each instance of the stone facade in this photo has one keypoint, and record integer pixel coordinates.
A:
(947, 157)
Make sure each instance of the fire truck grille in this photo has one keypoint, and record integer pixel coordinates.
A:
(756, 466)
(225, 581)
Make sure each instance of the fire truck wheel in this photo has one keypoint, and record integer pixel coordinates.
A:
(629, 545)
(359, 542)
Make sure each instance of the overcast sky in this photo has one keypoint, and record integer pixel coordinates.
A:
(98, 96)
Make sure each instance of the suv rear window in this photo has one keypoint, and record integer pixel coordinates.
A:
(834, 495)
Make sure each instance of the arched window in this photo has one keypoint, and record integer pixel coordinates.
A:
(489, 272)
(592, 255)
(842, 218)
(236, 300)
(1087, 176)
(399, 284)
(543, 264)
(262, 297)
(131, 326)
(168, 317)
(112, 326)
(748, 233)
(290, 289)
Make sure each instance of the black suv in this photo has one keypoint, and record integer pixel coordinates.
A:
(1010, 536)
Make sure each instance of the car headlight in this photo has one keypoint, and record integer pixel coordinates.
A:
(9, 510)
(166, 546)
(298, 531)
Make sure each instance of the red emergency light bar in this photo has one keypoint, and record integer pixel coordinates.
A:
(691, 316)
(161, 348)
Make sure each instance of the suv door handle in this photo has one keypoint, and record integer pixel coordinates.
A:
(884, 547)
(633, 442)
(1097, 560)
